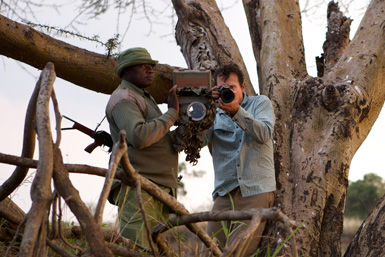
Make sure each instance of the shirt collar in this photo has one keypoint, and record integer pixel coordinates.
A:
(245, 100)
(138, 90)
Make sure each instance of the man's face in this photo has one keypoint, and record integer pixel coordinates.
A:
(140, 75)
(233, 82)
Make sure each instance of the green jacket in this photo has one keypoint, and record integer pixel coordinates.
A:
(148, 138)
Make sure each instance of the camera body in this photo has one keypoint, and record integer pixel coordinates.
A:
(226, 94)
(194, 92)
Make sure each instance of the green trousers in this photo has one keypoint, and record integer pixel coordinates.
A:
(131, 224)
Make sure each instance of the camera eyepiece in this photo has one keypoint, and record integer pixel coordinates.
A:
(226, 94)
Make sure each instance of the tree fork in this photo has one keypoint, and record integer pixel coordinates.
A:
(200, 23)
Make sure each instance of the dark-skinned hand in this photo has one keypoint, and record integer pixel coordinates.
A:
(172, 99)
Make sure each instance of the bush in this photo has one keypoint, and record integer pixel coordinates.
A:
(363, 195)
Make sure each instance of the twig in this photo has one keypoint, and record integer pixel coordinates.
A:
(15, 236)
(140, 202)
(58, 117)
(41, 186)
(62, 237)
(116, 155)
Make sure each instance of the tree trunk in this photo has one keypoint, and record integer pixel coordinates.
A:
(320, 121)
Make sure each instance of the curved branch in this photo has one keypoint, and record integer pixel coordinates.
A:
(71, 196)
(28, 145)
(41, 186)
(116, 155)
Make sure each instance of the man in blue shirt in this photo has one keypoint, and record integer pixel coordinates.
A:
(241, 145)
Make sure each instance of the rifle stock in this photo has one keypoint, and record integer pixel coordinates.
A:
(92, 146)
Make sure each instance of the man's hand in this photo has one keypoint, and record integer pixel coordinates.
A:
(172, 99)
(231, 108)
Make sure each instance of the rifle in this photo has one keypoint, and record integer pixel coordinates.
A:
(101, 137)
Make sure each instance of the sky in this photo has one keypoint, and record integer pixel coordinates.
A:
(18, 80)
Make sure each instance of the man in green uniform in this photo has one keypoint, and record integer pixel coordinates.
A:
(149, 141)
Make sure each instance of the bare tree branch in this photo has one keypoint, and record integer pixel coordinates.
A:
(88, 69)
(91, 230)
(41, 187)
(116, 155)
(28, 145)
(146, 225)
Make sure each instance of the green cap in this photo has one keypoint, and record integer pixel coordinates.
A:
(133, 56)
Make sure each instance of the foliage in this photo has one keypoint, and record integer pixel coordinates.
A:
(363, 195)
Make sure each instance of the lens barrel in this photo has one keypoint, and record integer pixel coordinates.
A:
(226, 94)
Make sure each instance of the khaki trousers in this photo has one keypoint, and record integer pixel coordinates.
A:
(131, 224)
(237, 202)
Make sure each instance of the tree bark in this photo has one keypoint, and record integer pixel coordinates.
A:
(204, 38)
(66, 190)
(320, 122)
(369, 239)
(41, 193)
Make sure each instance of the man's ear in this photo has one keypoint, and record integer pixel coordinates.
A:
(243, 86)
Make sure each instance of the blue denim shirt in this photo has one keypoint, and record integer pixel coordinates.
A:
(242, 148)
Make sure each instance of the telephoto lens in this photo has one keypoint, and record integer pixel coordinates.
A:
(226, 94)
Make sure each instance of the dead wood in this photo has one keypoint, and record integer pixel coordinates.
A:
(110, 174)
(28, 145)
(71, 196)
(41, 186)
(337, 36)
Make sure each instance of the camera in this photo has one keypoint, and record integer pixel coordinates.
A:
(196, 111)
(194, 92)
(226, 94)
